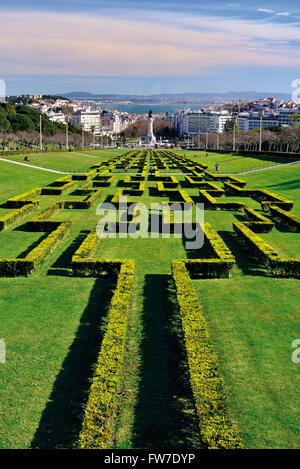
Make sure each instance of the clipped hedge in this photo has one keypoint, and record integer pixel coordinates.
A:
(41, 223)
(83, 204)
(38, 254)
(84, 177)
(104, 182)
(211, 202)
(258, 223)
(59, 190)
(16, 267)
(24, 199)
(220, 266)
(286, 218)
(100, 408)
(14, 216)
(216, 429)
(256, 246)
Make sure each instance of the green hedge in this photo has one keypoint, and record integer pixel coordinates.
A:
(24, 199)
(256, 153)
(286, 218)
(14, 216)
(59, 190)
(257, 247)
(100, 408)
(216, 429)
(38, 254)
(258, 223)
(16, 267)
(83, 204)
(211, 202)
(219, 266)
(41, 223)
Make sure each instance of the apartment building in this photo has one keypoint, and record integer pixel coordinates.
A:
(88, 121)
(195, 122)
(247, 122)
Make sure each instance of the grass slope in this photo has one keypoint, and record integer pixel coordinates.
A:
(53, 324)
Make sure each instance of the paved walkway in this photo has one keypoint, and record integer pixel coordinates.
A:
(261, 169)
(36, 167)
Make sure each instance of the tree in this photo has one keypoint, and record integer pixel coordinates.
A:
(4, 123)
(228, 126)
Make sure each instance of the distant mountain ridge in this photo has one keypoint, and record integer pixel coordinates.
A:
(179, 97)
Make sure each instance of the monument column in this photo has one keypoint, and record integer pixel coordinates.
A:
(150, 135)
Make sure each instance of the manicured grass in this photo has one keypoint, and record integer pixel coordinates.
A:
(53, 323)
(252, 322)
(233, 164)
(74, 161)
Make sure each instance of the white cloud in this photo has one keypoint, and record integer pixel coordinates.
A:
(265, 10)
(49, 44)
(283, 13)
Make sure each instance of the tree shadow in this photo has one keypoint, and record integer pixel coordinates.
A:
(62, 265)
(164, 415)
(61, 420)
(294, 184)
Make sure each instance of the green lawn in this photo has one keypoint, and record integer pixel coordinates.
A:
(52, 324)
(74, 161)
(233, 164)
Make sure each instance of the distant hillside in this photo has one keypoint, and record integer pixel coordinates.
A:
(179, 97)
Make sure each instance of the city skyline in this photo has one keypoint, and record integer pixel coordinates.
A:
(169, 47)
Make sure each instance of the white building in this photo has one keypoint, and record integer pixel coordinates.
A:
(56, 117)
(88, 121)
(195, 122)
(247, 122)
(286, 115)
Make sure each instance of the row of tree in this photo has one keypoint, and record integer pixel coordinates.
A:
(282, 139)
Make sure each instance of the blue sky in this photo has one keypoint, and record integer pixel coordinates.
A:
(149, 47)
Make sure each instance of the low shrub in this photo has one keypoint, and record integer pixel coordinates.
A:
(100, 408)
(24, 199)
(286, 218)
(216, 429)
(14, 216)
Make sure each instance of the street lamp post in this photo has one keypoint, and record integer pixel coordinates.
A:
(41, 133)
(218, 140)
(234, 132)
(260, 129)
(67, 133)
(82, 143)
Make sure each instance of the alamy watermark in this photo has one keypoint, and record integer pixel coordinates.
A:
(2, 351)
(2, 91)
(296, 353)
(296, 92)
(135, 220)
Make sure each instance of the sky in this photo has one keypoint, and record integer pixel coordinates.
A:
(149, 47)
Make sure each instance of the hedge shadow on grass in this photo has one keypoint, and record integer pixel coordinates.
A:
(164, 414)
(61, 420)
(32, 246)
(248, 265)
(62, 265)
